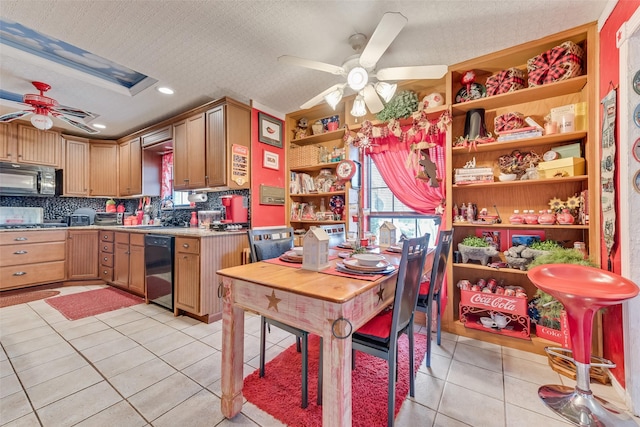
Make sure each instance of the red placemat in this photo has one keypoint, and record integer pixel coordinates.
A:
(278, 261)
(370, 277)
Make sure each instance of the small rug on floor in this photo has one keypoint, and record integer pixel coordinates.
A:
(84, 304)
(279, 391)
(23, 297)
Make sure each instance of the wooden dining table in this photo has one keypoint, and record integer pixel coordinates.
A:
(329, 305)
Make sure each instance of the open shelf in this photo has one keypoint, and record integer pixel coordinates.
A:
(555, 138)
(321, 137)
(527, 183)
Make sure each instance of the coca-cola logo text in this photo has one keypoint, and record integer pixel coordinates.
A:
(501, 303)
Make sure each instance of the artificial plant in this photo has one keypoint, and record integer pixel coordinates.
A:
(400, 107)
(548, 307)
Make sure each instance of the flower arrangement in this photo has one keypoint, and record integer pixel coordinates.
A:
(572, 206)
(400, 107)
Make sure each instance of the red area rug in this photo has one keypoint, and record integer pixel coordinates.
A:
(278, 392)
(85, 304)
(22, 297)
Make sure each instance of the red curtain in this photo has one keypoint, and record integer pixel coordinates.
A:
(390, 157)
(167, 176)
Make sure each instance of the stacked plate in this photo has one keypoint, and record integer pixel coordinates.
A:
(291, 256)
(396, 249)
(352, 266)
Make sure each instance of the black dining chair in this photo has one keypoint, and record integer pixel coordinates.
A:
(267, 244)
(337, 234)
(430, 289)
(379, 336)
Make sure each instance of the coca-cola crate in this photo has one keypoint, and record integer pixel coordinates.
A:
(474, 305)
(559, 336)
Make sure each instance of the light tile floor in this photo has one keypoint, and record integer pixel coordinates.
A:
(142, 366)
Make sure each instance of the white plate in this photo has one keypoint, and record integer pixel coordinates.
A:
(344, 254)
(353, 264)
(344, 269)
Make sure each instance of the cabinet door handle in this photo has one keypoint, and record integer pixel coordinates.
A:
(19, 273)
(20, 239)
(104, 248)
(104, 259)
(127, 253)
(105, 237)
(185, 245)
(20, 252)
(220, 290)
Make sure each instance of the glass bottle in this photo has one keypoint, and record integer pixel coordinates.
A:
(463, 212)
(516, 218)
(194, 220)
(580, 246)
(322, 207)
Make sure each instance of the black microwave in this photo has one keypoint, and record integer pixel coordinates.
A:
(29, 180)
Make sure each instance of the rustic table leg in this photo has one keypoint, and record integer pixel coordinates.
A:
(336, 378)
(232, 353)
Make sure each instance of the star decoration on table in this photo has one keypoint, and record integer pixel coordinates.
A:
(273, 300)
(380, 293)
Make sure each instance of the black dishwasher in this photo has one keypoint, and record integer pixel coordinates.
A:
(158, 263)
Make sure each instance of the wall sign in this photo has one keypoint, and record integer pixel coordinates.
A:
(240, 164)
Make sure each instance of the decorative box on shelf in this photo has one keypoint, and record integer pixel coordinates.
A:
(560, 63)
(560, 336)
(303, 156)
(474, 305)
(469, 175)
(571, 166)
(506, 81)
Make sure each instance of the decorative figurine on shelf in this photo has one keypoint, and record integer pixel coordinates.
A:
(470, 89)
(301, 130)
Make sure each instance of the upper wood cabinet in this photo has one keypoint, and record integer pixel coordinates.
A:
(130, 168)
(189, 153)
(228, 134)
(76, 167)
(8, 142)
(39, 147)
(103, 175)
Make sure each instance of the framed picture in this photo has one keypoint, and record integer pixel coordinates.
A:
(270, 130)
(271, 160)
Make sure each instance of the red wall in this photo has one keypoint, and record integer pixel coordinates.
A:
(265, 215)
(610, 73)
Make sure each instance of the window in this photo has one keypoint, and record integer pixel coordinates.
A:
(384, 206)
(179, 198)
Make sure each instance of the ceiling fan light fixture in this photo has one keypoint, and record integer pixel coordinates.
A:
(357, 78)
(334, 97)
(41, 121)
(359, 108)
(386, 90)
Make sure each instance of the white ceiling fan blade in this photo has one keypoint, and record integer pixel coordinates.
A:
(371, 98)
(74, 123)
(314, 65)
(386, 32)
(319, 97)
(73, 112)
(5, 118)
(410, 73)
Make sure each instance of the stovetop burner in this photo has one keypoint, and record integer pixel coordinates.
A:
(41, 225)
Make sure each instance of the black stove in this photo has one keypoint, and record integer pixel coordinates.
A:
(30, 226)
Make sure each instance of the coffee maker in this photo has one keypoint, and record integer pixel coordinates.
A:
(235, 211)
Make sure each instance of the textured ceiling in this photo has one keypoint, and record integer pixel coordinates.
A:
(208, 49)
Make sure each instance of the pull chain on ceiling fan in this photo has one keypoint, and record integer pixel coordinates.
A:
(359, 69)
(44, 107)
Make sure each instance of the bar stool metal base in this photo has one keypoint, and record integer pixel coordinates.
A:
(583, 409)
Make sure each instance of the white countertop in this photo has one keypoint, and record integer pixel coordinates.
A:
(174, 231)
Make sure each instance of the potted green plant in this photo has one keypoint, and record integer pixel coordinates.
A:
(549, 309)
(476, 248)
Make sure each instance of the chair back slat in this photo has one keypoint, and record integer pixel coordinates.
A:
(414, 252)
(269, 243)
(440, 261)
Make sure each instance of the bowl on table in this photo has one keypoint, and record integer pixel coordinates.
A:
(368, 260)
(297, 250)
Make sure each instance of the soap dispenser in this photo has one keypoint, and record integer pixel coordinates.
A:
(194, 220)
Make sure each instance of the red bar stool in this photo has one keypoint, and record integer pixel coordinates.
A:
(583, 291)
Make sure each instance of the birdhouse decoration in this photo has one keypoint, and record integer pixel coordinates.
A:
(315, 256)
(387, 234)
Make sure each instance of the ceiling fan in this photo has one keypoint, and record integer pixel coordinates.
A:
(43, 107)
(359, 69)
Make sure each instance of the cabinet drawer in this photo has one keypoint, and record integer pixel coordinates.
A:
(106, 236)
(188, 245)
(32, 274)
(136, 239)
(106, 247)
(13, 237)
(31, 253)
(106, 273)
(106, 260)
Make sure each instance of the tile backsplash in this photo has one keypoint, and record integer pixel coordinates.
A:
(57, 207)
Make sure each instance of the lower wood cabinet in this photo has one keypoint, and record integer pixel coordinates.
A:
(32, 257)
(128, 262)
(196, 261)
(82, 254)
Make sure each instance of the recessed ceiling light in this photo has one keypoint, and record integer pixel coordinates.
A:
(165, 90)
(99, 126)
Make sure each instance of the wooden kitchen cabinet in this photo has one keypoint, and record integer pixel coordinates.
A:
(76, 167)
(82, 254)
(31, 257)
(103, 174)
(228, 132)
(8, 142)
(128, 262)
(189, 153)
(130, 168)
(106, 255)
(196, 263)
(39, 147)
